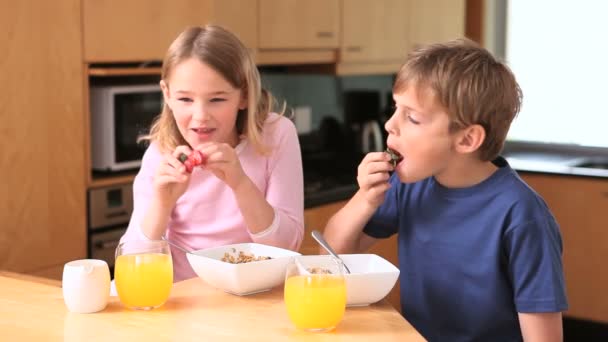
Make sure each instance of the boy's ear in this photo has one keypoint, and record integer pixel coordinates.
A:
(165, 89)
(470, 139)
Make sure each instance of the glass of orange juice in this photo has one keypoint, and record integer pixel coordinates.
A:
(143, 273)
(315, 292)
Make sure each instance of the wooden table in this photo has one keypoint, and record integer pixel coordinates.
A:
(33, 310)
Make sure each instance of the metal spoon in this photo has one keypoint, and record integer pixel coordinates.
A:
(319, 237)
(177, 246)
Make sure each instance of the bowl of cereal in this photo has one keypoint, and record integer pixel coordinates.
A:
(243, 268)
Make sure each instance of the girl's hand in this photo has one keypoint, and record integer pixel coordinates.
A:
(373, 175)
(171, 179)
(223, 161)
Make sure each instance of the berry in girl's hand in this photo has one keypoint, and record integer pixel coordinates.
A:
(193, 160)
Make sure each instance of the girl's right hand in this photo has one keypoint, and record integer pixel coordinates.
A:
(171, 179)
(373, 175)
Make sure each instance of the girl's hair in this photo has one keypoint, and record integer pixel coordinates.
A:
(470, 84)
(225, 53)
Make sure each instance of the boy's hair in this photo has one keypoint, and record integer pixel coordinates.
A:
(470, 84)
(225, 53)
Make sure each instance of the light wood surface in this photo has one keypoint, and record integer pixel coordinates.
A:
(365, 21)
(42, 196)
(289, 24)
(141, 30)
(580, 205)
(433, 21)
(316, 219)
(33, 311)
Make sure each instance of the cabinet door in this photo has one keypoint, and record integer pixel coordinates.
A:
(42, 165)
(433, 21)
(580, 206)
(141, 30)
(298, 24)
(374, 30)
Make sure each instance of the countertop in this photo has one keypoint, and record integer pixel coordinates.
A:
(558, 159)
(32, 309)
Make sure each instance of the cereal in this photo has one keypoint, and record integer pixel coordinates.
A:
(242, 257)
(318, 270)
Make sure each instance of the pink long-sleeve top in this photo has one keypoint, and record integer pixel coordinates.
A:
(207, 214)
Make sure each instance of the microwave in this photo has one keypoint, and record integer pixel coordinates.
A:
(119, 115)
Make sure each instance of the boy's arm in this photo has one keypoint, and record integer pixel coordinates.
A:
(541, 326)
(344, 230)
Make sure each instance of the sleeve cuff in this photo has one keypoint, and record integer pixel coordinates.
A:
(268, 231)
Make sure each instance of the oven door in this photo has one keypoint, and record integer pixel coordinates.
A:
(102, 244)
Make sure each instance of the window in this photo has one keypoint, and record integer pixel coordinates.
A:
(558, 51)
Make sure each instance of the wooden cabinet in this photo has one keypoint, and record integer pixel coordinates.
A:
(316, 219)
(42, 201)
(378, 34)
(580, 206)
(374, 30)
(141, 30)
(298, 24)
(433, 21)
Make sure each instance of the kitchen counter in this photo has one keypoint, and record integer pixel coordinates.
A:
(561, 160)
(31, 310)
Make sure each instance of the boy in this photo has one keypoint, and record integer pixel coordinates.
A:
(479, 251)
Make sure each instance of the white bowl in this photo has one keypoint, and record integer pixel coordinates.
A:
(246, 278)
(371, 279)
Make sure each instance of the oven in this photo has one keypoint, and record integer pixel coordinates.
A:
(109, 212)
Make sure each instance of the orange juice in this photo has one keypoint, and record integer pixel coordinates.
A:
(315, 302)
(143, 280)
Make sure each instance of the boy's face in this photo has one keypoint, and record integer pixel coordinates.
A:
(204, 104)
(418, 130)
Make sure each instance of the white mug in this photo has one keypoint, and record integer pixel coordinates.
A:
(86, 285)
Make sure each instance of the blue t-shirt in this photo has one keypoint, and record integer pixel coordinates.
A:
(472, 258)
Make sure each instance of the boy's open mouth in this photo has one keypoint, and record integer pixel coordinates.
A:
(395, 156)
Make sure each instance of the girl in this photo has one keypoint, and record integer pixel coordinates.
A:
(250, 185)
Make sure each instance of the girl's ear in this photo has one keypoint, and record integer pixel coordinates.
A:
(165, 89)
(470, 139)
(243, 102)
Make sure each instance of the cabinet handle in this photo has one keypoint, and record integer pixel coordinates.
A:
(353, 49)
(325, 34)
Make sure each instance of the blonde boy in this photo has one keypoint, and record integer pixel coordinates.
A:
(479, 251)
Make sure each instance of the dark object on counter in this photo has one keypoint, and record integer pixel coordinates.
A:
(363, 117)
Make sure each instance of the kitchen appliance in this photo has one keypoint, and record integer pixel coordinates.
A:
(119, 115)
(362, 115)
(109, 212)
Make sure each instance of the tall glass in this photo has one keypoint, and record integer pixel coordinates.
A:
(315, 292)
(143, 273)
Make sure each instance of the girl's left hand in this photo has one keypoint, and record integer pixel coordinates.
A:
(223, 161)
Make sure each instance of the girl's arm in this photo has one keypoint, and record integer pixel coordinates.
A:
(277, 218)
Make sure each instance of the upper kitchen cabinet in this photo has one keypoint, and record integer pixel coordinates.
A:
(299, 24)
(141, 30)
(298, 31)
(374, 35)
(433, 21)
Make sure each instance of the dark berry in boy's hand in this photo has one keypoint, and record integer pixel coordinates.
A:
(193, 160)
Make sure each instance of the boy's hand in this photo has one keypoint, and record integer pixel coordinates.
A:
(373, 175)
(223, 161)
(171, 179)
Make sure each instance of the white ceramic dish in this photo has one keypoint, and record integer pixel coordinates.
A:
(246, 278)
(372, 277)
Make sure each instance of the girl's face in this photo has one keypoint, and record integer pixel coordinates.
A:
(418, 130)
(203, 102)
